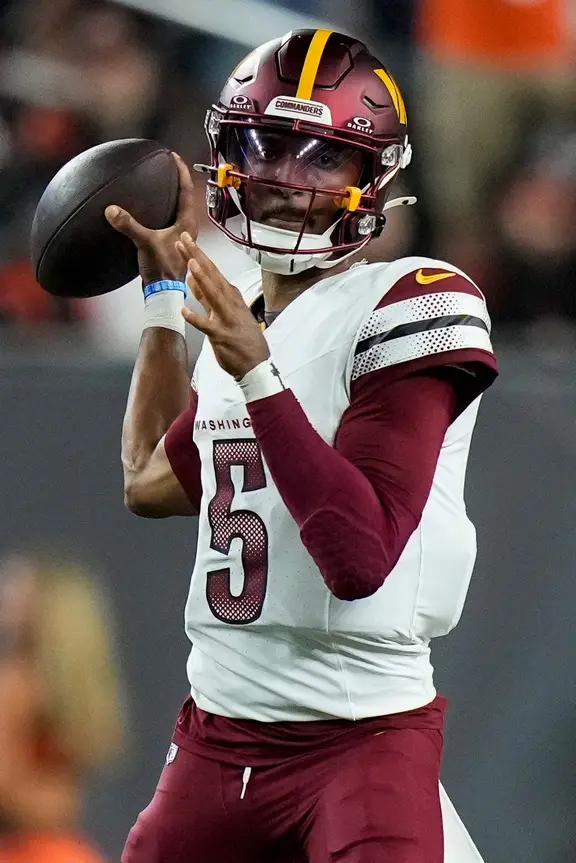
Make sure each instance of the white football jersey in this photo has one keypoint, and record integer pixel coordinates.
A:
(269, 640)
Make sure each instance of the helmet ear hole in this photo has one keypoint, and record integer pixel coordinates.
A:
(369, 163)
(380, 222)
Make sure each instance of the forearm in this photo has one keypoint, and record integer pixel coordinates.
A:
(358, 503)
(159, 392)
(341, 520)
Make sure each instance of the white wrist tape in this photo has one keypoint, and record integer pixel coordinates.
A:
(163, 310)
(262, 381)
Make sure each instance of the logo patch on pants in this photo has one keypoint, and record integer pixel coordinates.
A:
(172, 753)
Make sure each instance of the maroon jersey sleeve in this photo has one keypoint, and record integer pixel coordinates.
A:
(183, 453)
(357, 503)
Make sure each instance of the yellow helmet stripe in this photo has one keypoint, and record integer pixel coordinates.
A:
(395, 93)
(312, 63)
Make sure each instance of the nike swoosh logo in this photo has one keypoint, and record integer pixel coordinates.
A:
(436, 277)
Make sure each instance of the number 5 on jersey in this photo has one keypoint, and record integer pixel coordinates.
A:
(243, 524)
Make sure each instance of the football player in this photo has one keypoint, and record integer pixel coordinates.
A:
(323, 444)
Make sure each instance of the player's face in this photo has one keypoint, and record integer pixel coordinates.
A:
(298, 159)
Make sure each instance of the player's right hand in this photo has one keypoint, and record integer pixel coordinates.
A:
(158, 257)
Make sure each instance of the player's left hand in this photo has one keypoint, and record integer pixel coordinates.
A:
(234, 334)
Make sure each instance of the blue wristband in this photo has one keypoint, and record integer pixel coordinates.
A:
(164, 285)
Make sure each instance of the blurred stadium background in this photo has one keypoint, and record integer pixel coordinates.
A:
(491, 95)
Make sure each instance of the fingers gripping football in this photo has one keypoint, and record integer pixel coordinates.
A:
(186, 219)
(127, 225)
(158, 257)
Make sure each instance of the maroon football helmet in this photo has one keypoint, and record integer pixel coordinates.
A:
(297, 116)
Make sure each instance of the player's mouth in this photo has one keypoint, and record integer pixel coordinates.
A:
(282, 222)
(289, 219)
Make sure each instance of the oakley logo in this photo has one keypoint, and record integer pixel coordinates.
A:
(242, 102)
(435, 277)
(361, 124)
(314, 112)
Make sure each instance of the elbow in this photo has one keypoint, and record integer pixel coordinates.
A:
(351, 569)
(352, 585)
(131, 498)
(148, 500)
(133, 504)
(361, 575)
(138, 504)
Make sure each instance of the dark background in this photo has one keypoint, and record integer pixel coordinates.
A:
(508, 669)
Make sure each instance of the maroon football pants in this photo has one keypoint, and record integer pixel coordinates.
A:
(376, 800)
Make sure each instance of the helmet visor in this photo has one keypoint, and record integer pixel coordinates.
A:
(292, 158)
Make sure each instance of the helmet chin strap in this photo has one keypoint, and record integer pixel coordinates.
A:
(291, 265)
(285, 263)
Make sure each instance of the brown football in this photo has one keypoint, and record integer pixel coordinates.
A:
(73, 249)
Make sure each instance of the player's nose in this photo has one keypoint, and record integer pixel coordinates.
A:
(288, 195)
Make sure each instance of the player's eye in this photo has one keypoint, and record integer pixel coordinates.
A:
(269, 154)
(328, 161)
(268, 147)
(330, 158)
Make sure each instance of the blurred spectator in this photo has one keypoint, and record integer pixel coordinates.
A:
(388, 29)
(494, 72)
(41, 140)
(76, 73)
(72, 74)
(536, 216)
(60, 707)
(117, 70)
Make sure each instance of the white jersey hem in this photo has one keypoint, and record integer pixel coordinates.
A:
(295, 713)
